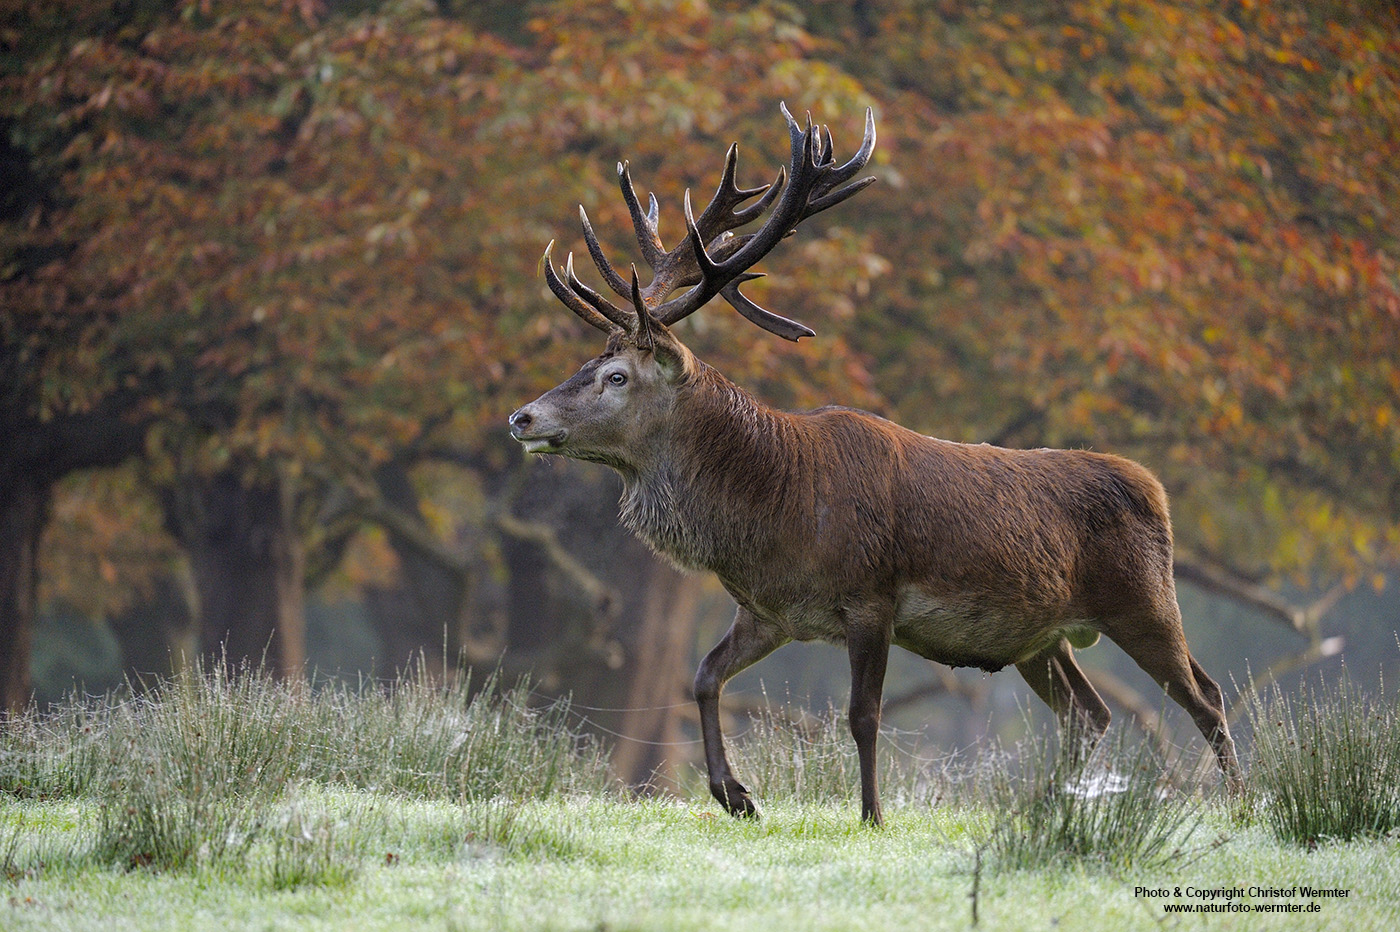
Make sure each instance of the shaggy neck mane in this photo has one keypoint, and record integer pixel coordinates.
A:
(724, 472)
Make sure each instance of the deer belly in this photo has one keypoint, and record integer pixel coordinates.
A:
(967, 631)
(812, 623)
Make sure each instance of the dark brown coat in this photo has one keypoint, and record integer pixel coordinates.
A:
(841, 526)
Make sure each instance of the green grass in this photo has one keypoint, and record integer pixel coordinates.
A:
(1326, 763)
(232, 736)
(237, 802)
(600, 862)
(1118, 806)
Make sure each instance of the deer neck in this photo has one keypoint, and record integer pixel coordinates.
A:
(724, 471)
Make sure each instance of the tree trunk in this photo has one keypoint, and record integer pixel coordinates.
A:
(598, 617)
(249, 567)
(658, 672)
(24, 510)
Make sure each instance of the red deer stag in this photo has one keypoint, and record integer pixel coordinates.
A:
(839, 525)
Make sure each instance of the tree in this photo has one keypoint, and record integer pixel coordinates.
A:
(287, 253)
(320, 199)
(217, 138)
(1163, 228)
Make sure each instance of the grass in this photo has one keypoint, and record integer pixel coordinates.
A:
(607, 862)
(813, 759)
(236, 802)
(236, 735)
(202, 768)
(1117, 806)
(1327, 763)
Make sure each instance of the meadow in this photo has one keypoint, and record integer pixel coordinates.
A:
(231, 802)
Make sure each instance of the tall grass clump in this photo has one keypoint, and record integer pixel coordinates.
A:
(1326, 762)
(450, 742)
(195, 771)
(308, 845)
(1110, 807)
(192, 766)
(56, 755)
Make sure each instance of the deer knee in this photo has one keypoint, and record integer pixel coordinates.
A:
(864, 721)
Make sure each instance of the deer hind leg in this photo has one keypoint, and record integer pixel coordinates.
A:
(748, 641)
(1056, 678)
(1157, 644)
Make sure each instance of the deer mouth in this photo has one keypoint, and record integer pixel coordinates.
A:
(549, 443)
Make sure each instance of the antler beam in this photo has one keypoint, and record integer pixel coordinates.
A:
(713, 260)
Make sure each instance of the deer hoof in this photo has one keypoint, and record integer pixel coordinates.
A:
(734, 797)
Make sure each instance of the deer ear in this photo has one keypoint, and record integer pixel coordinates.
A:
(676, 362)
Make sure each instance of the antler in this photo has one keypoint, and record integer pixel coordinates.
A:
(713, 260)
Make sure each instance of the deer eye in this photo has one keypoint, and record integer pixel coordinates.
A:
(618, 378)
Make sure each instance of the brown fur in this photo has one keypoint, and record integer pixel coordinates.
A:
(840, 525)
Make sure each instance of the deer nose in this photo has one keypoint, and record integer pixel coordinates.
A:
(520, 421)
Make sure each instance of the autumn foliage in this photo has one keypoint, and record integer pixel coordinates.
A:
(294, 242)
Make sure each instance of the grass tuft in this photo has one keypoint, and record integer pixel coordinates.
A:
(313, 846)
(1326, 764)
(1113, 807)
(202, 768)
(813, 759)
(518, 829)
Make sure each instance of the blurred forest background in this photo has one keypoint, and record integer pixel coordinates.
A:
(270, 285)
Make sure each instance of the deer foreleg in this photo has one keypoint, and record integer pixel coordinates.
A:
(748, 641)
(868, 643)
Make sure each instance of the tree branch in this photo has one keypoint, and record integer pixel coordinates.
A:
(600, 595)
(1219, 581)
(410, 531)
(1318, 650)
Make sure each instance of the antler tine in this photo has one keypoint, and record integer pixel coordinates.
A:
(719, 215)
(839, 176)
(644, 223)
(601, 304)
(697, 242)
(757, 208)
(789, 210)
(679, 268)
(813, 185)
(796, 133)
(571, 300)
(773, 323)
(615, 281)
(827, 154)
(818, 204)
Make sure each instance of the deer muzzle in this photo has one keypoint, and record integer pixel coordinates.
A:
(535, 436)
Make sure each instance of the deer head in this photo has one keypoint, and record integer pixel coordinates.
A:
(616, 405)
